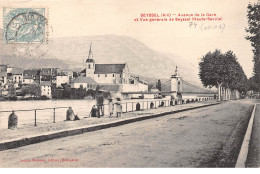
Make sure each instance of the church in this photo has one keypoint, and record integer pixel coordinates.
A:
(115, 78)
(106, 74)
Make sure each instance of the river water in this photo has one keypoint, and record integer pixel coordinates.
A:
(80, 107)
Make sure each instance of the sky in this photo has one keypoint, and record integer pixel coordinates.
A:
(103, 17)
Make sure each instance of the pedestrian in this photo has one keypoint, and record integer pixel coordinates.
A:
(118, 107)
(162, 103)
(138, 106)
(151, 105)
(94, 111)
(70, 115)
(100, 103)
(110, 107)
(12, 121)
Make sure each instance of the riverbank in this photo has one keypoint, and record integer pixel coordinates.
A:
(26, 133)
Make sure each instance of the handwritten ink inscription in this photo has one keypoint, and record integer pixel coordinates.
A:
(207, 27)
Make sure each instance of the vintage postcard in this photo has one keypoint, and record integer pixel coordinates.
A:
(129, 83)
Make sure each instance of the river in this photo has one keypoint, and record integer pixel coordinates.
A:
(80, 107)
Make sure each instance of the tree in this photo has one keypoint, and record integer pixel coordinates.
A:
(11, 90)
(159, 85)
(66, 93)
(253, 30)
(33, 89)
(211, 70)
(224, 72)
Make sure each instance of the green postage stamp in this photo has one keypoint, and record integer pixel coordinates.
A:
(24, 25)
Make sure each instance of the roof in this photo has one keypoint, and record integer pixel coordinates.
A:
(61, 74)
(45, 83)
(109, 68)
(27, 77)
(83, 71)
(49, 71)
(31, 72)
(110, 87)
(87, 80)
(17, 71)
(3, 68)
(3, 74)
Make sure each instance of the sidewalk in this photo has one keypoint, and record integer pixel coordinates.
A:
(43, 132)
(253, 158)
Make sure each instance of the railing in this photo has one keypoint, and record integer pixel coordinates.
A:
(58, 114)
(35, 111)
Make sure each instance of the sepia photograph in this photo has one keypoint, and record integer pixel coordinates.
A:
(130, 84)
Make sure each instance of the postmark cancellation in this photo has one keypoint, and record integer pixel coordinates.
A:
(25, 25)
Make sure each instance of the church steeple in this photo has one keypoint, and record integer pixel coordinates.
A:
(90, 64)
(90, 55)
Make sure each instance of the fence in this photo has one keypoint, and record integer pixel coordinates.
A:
(33, 117)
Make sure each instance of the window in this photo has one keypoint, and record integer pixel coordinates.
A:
(113, 75)
(120, 75)
(98, 75)
(89, 66)
(105, 75)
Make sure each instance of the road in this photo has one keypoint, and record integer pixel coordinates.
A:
(206, 137)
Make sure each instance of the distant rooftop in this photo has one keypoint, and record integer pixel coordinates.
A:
(109, 68)
(87, 80)
(17, 71)
(110, 87)
(45, 83)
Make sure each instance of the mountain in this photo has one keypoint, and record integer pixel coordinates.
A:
(72, 51)
(30, 63)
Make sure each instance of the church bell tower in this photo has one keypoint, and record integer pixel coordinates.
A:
(90, 64)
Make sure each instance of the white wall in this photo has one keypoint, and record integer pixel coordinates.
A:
(134, 87)
(142, 87)
(46, 90)
(77, 85)
(61, 80)
(28, 81)
(108, 78)
(16, 78)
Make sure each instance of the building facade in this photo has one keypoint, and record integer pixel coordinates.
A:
(46, 89)
(62, 79)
